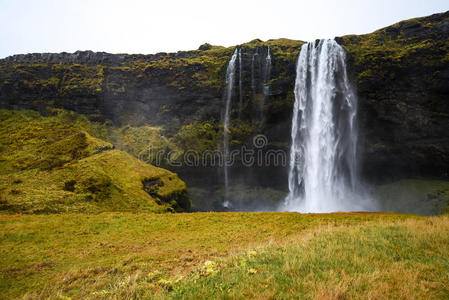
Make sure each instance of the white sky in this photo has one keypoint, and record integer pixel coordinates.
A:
(165, 26)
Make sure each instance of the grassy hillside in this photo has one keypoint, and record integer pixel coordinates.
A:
(224, 255)
(55, 164)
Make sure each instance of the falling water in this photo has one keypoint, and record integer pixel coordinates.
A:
(267, 74)
(322, 174)
(230, 74)
(253, 79)
(240, 83)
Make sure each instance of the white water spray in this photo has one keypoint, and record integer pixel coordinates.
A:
(323, 170)
(230, 74)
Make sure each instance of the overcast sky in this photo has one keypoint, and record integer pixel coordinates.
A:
(167, 25)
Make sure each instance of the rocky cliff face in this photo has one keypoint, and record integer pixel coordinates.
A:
(169, 89)
(402, 75)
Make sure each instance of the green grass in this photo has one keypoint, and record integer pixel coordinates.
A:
(403, 260)
(224, 255)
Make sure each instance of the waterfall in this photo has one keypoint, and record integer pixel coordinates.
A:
(230, 74)
(323, 171)
(240, 83)
(253, 61)
(267, 74)
(266, 86)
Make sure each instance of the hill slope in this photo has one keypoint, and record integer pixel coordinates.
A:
(52, 164)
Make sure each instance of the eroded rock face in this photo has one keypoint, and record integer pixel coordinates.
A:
(401, 73)
(403, 86)
(178, 199)
(121, 88)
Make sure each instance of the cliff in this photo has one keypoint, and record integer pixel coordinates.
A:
(401, 72)
(402, 75)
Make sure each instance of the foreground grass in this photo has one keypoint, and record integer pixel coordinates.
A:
(224, 255)
(405, 260)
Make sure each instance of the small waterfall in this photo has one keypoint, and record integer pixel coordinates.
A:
(323, 171)
(253, 67)
(240, 83)
(265, 87)
(267, 74)
(230, 74)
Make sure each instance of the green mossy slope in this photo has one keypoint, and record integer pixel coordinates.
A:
(55, 164)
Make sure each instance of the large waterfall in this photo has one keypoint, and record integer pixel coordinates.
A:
(230, 74)
(323, 165)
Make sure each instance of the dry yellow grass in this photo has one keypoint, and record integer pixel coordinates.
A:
(225, 255)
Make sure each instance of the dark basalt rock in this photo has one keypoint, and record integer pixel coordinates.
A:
(151, 186)
(403, 90)
(205, 46)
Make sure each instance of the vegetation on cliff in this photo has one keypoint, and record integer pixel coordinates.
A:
(419, 43)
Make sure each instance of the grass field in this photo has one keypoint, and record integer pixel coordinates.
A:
(224, 255)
